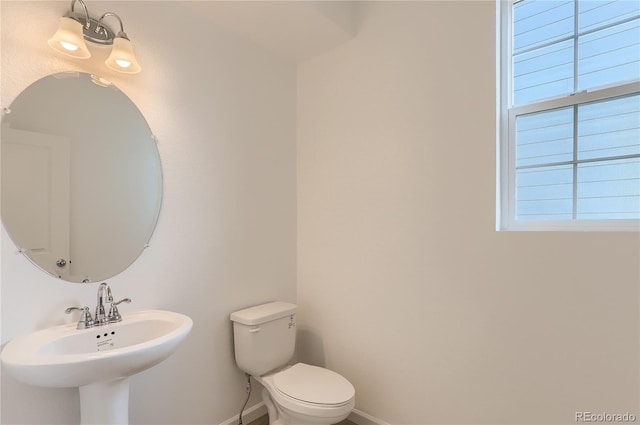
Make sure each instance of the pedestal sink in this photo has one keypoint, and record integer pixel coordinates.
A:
(98, 360)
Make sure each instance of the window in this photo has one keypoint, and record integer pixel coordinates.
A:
(570, 114)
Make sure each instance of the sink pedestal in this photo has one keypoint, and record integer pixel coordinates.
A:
(105, 403)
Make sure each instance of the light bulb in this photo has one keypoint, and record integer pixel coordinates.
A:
(123, 63)
(69, 46)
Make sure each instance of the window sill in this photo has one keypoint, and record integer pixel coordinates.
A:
(572, 226)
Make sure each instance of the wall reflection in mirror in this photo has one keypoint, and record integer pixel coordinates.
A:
(81, 177)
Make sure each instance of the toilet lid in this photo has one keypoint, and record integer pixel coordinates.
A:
(314, 384)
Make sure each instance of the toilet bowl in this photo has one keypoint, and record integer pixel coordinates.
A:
(306, 395)
(264, 341)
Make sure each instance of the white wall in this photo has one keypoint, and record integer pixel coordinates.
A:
(224, 113)
(404, 285)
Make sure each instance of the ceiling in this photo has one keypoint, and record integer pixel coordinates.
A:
(296, 30)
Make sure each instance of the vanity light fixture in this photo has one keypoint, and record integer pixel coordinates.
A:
(75, 28)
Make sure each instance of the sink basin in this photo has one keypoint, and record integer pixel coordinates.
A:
(99, 360)
(63, 356)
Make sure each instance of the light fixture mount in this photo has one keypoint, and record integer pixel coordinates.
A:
(95, 32)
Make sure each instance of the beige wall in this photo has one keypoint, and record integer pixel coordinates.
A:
(404, 285)
(224, 114)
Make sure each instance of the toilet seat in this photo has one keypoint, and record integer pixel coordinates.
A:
(314, 385)
(295, 384)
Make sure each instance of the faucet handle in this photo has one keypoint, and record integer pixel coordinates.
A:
(86, 321)
(114, 314)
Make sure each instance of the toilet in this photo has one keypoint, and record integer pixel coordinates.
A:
(300, 394)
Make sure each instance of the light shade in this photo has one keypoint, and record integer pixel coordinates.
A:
(122, 58)
(69, 39)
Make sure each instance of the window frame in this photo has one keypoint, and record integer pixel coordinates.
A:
(507, 114)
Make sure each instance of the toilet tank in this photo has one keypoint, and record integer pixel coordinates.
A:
(264, 336)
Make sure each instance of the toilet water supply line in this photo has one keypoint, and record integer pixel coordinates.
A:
(248, 389)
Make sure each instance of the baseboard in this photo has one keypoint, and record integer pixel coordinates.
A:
(250, 415)
(358, 417)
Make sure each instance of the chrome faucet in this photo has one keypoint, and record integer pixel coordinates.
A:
(101, 318)
(103, 291)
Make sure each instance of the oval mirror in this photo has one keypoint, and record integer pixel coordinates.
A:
(81, 177)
